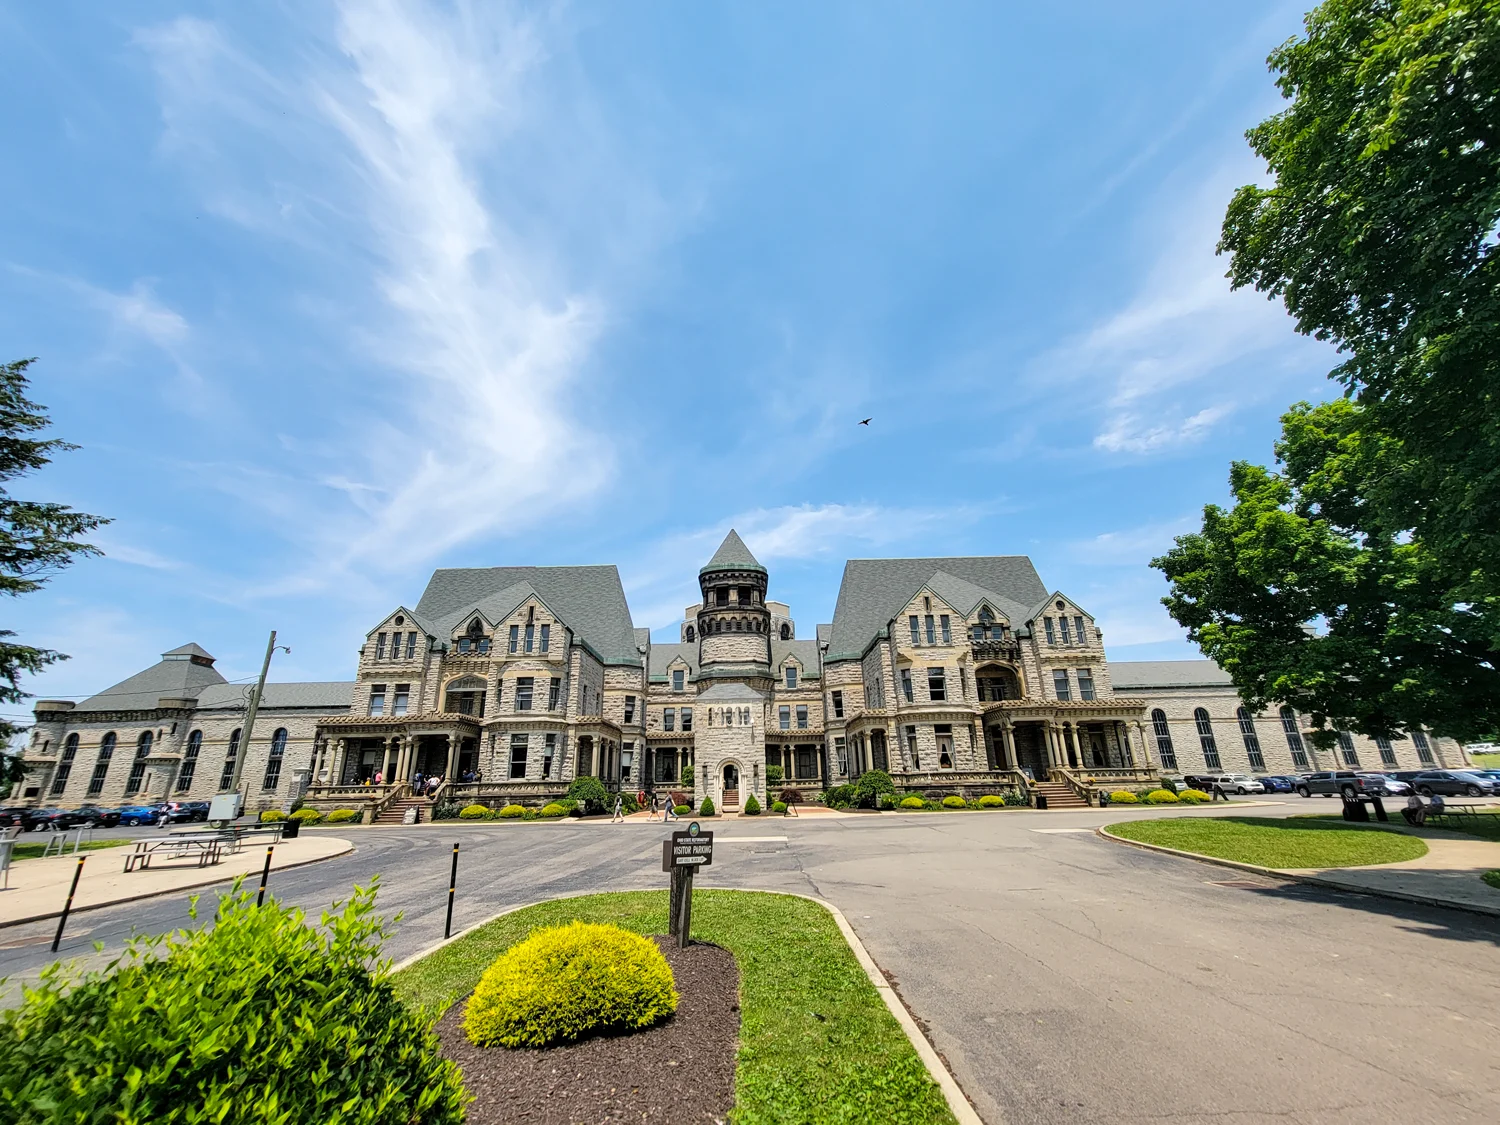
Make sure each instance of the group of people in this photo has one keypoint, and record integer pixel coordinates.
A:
(423, 785)
(658, 806)
(1416, 813)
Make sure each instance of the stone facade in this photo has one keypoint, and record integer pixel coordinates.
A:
(953, 674)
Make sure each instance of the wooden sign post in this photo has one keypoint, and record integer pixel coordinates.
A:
(681, 855)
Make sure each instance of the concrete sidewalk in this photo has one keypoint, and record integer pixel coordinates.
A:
(39, 887)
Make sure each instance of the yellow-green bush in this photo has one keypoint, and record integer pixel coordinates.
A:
(1161, 797)
(564, 983)
(1193, 796)
(307, 816)
(554, 809)
(682, 810)
(1123, 797)
(512, 812)
(992, 801)
(271, 816)
(341, 816)
(473, 812)
(913, 803)
(955, 802)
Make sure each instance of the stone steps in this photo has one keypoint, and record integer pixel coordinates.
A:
(1060, 796)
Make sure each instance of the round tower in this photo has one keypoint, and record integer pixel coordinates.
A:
(734, 623)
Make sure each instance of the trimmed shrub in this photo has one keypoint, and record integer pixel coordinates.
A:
(474, 812)
(686, 778)
(511, 812)
(839, 797)
(887, 800)
(955, 802)
(342, 816)
(752, 806)
(778, 807)
(565, 983)
(1193, 796)
(271, 816)
(682, 810)
(793, 797)
(913, 803)
(445, 810)
(590, 793)
(261, 1018)
(1161, 797)
(553, 810)
(307, 816)
(871, 786)
(1123, 797)
(992, 801)
(707, 807)
(774, 774)
(1016, 798)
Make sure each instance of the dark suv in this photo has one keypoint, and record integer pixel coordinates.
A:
(1344, 783)
(1454, 783)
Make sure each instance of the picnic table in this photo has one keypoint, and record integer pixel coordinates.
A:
(233, 837)
(1456, 813)
(208, 845)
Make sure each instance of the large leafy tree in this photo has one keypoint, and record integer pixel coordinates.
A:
(1379, 233)
(36, 539)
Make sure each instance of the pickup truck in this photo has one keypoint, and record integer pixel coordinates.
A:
(1332, 782)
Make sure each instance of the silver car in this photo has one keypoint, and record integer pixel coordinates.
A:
(1384, 785)
(1241, 783)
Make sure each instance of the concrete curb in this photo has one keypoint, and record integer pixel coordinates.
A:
(7, 922)
(958, 1102)
(1310, 880)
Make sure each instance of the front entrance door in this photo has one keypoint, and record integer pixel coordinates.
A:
(731, 778)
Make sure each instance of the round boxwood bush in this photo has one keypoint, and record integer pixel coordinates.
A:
(512, 812)
(261, 1018)
(1193, 796)
(1161, 797)
(682, 810)
(955, 802)
(1123, 797)
(554, 809)
(271, 816)
(778, 807)
(564, 983)
(707, 807)
(473, 812)
(307, 816)
(839, 797)
(871, 786)
(752, 806)
(590, 793)
(342, 816)
(992, 801)
(913, 803)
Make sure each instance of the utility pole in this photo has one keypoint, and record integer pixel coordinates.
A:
(260, 687)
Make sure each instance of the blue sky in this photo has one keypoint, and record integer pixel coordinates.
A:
(335, 293)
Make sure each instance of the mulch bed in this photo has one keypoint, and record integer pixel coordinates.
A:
(680, 1070)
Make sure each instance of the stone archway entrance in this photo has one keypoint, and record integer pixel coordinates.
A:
(730, 789)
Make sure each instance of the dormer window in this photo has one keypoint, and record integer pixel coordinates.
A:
(678, 679)
(791, 676)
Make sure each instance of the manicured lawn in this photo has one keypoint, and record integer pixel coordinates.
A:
(1487, 761)
(34, 851)
(1275, 843)
(1492, 878)
(816, 1041)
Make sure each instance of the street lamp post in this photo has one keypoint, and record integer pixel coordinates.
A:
(232, 791)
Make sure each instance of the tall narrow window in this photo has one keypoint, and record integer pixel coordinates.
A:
(518, 743)
(630, 708)
(1293, 738)
(401, 699)
(554, 695)
(945, 626)
(963, 683)
(546, 638)
(1051, 636)
(916, 629)
(273, 761)
(515, 635)
(65, 766)
(525, 685)
(377, 699)
(791, 676)
(549, 748)
(801, 716)
(687, 719)
(1083, 637)
(380, 646)
(1164, 752)
(911, 748)
(678, 679)
(906, 684)
(1206, 739)
(190, 761)
(226, 777)
(669, 718)
(1085, 683)
(530, 637)
(1062, 623)
(1060, 683)
(627, 760)
(927, 624)
(784, 717)
(1346, 744)
(1252, 740)
(411, 644)
(937, 685)
(1424, 751)
(1387, 751)
(838, 705)
(841, 755)
(138, 765)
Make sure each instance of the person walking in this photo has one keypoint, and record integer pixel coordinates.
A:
(1219, 794)
(652, 805)
(619, 814)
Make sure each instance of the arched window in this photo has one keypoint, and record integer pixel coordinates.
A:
(138, 766)
(190, 761)
(226, 778)
(1252, 740)
(1293, 738)
(1164, 752)
(690, 635)
(1387, 751)
(101, 765)
(273, 763)
(1346, 744)
(1424, 750)
(1206, 739)
(65, 767)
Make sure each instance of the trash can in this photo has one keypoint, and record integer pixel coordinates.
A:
(290, 827)
(1040, 799)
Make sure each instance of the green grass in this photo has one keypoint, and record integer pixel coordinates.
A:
(1492, 878)
(854, 1064)
(1487, 761)
(34, 851)
(1275, 843)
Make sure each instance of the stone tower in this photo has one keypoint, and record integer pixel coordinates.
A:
(734, 623)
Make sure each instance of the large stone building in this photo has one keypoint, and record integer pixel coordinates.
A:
(959, 674)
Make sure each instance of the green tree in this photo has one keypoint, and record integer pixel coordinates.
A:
(36, 539)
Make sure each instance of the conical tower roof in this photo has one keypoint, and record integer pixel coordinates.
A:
(732, 555)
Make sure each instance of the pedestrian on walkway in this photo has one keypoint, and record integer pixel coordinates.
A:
(619, 809)
(1219, 794)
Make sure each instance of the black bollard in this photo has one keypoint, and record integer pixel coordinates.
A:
(265, 873)
(452, 886)
(68, 906)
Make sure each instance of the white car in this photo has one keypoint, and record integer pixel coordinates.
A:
(1239, 783)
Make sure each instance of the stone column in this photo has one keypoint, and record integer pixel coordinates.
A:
(340, 751)
(452, 755)
(1008, 735)
(1140, 731)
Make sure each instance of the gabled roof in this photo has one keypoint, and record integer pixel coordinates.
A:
(732, 555)
(965, 597)
(330, 695)
(189, 649)
(1046, 604)
(873, 591)
(732, 692)
(415, 618)
(171, 676)
(1137, 674)
(589, 599)
(805, 651)
(662, 657)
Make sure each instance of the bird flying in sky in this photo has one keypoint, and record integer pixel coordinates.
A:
(866, 422)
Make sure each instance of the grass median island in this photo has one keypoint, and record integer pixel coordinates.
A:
(1275, 843)
(817, 1043)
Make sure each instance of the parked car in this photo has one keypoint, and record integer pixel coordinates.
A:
(133, 815)
(95, 817)
(1407, 776)
(50, 820)
(1384, 785)
(1325, 783)
(1240, 783)
(11, 816)
(1455, 783)
(180, 811)
(1275, 783)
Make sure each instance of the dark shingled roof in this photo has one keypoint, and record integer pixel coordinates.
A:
(190, 649)
(1136, 674)
(805, 651)
(663, 655)
(589, 599)
(732, 555)
(325, 695)
(174, 675)
(873, 591)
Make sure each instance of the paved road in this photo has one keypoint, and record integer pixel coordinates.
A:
(1063, 977)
